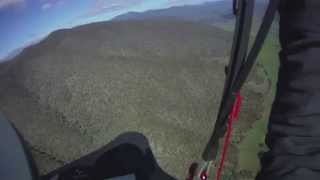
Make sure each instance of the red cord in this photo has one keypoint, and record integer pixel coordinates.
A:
(234, 115)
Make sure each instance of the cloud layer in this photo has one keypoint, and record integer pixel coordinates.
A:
(46, 6)
(104, 6)
(184, 2)
(49, 4)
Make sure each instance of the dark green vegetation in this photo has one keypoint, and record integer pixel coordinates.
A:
(80, 88)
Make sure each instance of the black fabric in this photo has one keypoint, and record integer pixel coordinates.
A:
(294, 126)
(15, 159)
(128, 154)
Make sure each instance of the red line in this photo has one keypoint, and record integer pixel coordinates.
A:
(234, 115)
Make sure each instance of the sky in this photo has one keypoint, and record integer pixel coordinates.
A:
(23, 22)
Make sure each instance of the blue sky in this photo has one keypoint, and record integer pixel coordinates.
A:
(23, 22)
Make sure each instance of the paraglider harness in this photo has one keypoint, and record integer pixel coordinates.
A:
(129, 156)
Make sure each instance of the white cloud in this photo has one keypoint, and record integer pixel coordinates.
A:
(109, 6)
(187, 2)
(7, 3)
(49, 4)
(46, 6)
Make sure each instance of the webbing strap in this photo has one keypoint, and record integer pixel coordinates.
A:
(244, 10)
(241, 63)
(259, 41)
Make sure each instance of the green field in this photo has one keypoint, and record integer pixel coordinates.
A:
(254, 140)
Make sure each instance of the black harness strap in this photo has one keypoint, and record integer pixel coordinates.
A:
(260, 39)
(240, 65)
